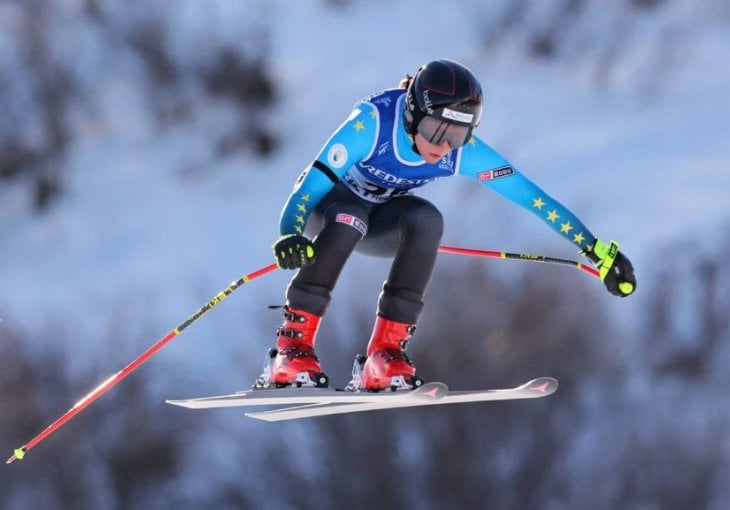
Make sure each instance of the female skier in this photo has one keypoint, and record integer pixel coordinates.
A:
(357, 194)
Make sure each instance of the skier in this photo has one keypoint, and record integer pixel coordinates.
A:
(357, 194)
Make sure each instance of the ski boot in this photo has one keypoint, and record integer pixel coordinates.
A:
(293, 361)
(387, 367)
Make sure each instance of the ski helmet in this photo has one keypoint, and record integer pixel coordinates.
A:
(443, 102)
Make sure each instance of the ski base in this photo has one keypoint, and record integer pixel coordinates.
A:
(313, 402)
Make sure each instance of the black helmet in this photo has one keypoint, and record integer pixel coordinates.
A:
(447, 92)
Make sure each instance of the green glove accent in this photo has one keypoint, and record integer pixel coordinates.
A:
(614, 268)
(626, 287)
(607, 255)
(293, 251)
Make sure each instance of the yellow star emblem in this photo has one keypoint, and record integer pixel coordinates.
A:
(538, 202)
(359, 125)
(300, 219)
(553, 215)
(579, 238)
(472, 141)
(301, 207)
(305, 198)
(298, 230)
(566, 227)
(373, 114)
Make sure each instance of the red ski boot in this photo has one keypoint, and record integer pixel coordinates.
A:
(387, 366)
(293, 361)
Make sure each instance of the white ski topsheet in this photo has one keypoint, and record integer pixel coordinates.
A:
(289, 396)
(536, 388)
(311, 402)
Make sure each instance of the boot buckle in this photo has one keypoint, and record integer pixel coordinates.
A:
(289, 333)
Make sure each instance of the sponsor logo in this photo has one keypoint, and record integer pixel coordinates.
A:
(353, 221)
(427, 102)
(369, 191)
(387, 178)
(497, 173)
(457, 116)
(337, 155)
(446, 163)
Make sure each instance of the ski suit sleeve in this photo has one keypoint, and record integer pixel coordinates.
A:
(352, 142)
(482, 163)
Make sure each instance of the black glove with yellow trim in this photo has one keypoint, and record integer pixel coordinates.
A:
(614, 267)
(293, 251)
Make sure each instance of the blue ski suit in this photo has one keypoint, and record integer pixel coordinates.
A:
(358, 194)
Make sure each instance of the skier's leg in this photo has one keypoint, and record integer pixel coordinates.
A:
(409, 228)
(338, 224)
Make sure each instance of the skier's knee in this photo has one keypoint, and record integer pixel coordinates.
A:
(424, 222)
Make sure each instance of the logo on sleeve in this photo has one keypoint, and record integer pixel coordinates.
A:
(337, 155)
(497, 173)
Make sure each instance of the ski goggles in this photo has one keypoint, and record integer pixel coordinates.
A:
(436, 131)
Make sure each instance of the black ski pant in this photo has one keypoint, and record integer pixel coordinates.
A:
(407, 228)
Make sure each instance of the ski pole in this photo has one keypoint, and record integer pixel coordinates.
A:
(19, 453)
(518, 256)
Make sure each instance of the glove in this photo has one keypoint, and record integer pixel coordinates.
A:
(293, 251)
(615, 269)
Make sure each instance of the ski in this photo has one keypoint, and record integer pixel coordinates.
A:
(536, 388)
(313, 402)
(291, 396)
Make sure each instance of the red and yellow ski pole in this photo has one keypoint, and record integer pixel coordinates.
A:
(519, 256)
(97, 392)
(19, 453)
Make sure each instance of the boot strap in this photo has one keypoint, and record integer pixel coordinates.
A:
(289, 333)
(293, 317)
(393, 354)
(410, 330)
(298, 351)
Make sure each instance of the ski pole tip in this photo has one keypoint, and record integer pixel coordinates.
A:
(18, 454)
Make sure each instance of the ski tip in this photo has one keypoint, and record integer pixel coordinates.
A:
(179, 403)
(431, 391)
(542, 385)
